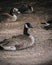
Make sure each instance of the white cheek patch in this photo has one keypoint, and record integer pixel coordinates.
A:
(47, 24)
(18, 12)
(26, 26)
(32, 9)
(15, 9)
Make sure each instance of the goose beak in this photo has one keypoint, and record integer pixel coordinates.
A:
(31, 27)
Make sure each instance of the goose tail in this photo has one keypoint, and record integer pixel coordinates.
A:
(9, 48)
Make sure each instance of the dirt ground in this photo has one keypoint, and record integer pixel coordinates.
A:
(40, 53)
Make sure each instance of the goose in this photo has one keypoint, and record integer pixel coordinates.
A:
(48, 24)
(19, 42)
(25, 9)
(7, 17)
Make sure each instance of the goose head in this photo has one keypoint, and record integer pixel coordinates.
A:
(47, 25)
(49, 22)
(16, 10)
(13, 10)
(12, 13)
(26, 27)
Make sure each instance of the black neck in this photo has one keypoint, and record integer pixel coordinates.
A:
(11, 12)
(25, 32)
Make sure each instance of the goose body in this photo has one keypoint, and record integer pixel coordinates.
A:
(24, 9)
(21, 41)
(7, 17)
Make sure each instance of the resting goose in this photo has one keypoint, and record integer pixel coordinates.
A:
(25, 9)
(7, 17)
(48, 25)
(21, 41)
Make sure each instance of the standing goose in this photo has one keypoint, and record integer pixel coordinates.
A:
(7, 17)
(21, 41)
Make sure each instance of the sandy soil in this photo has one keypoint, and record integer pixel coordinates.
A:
(41, 52)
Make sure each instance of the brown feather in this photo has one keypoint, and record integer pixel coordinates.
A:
(21, 40)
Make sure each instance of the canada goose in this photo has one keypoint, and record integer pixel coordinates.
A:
(24, 9)
(21, 41)
(7, 17)
(48, 25)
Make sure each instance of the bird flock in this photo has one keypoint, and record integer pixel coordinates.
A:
(24, 40)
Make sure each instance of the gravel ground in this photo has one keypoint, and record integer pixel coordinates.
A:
(40, 53)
